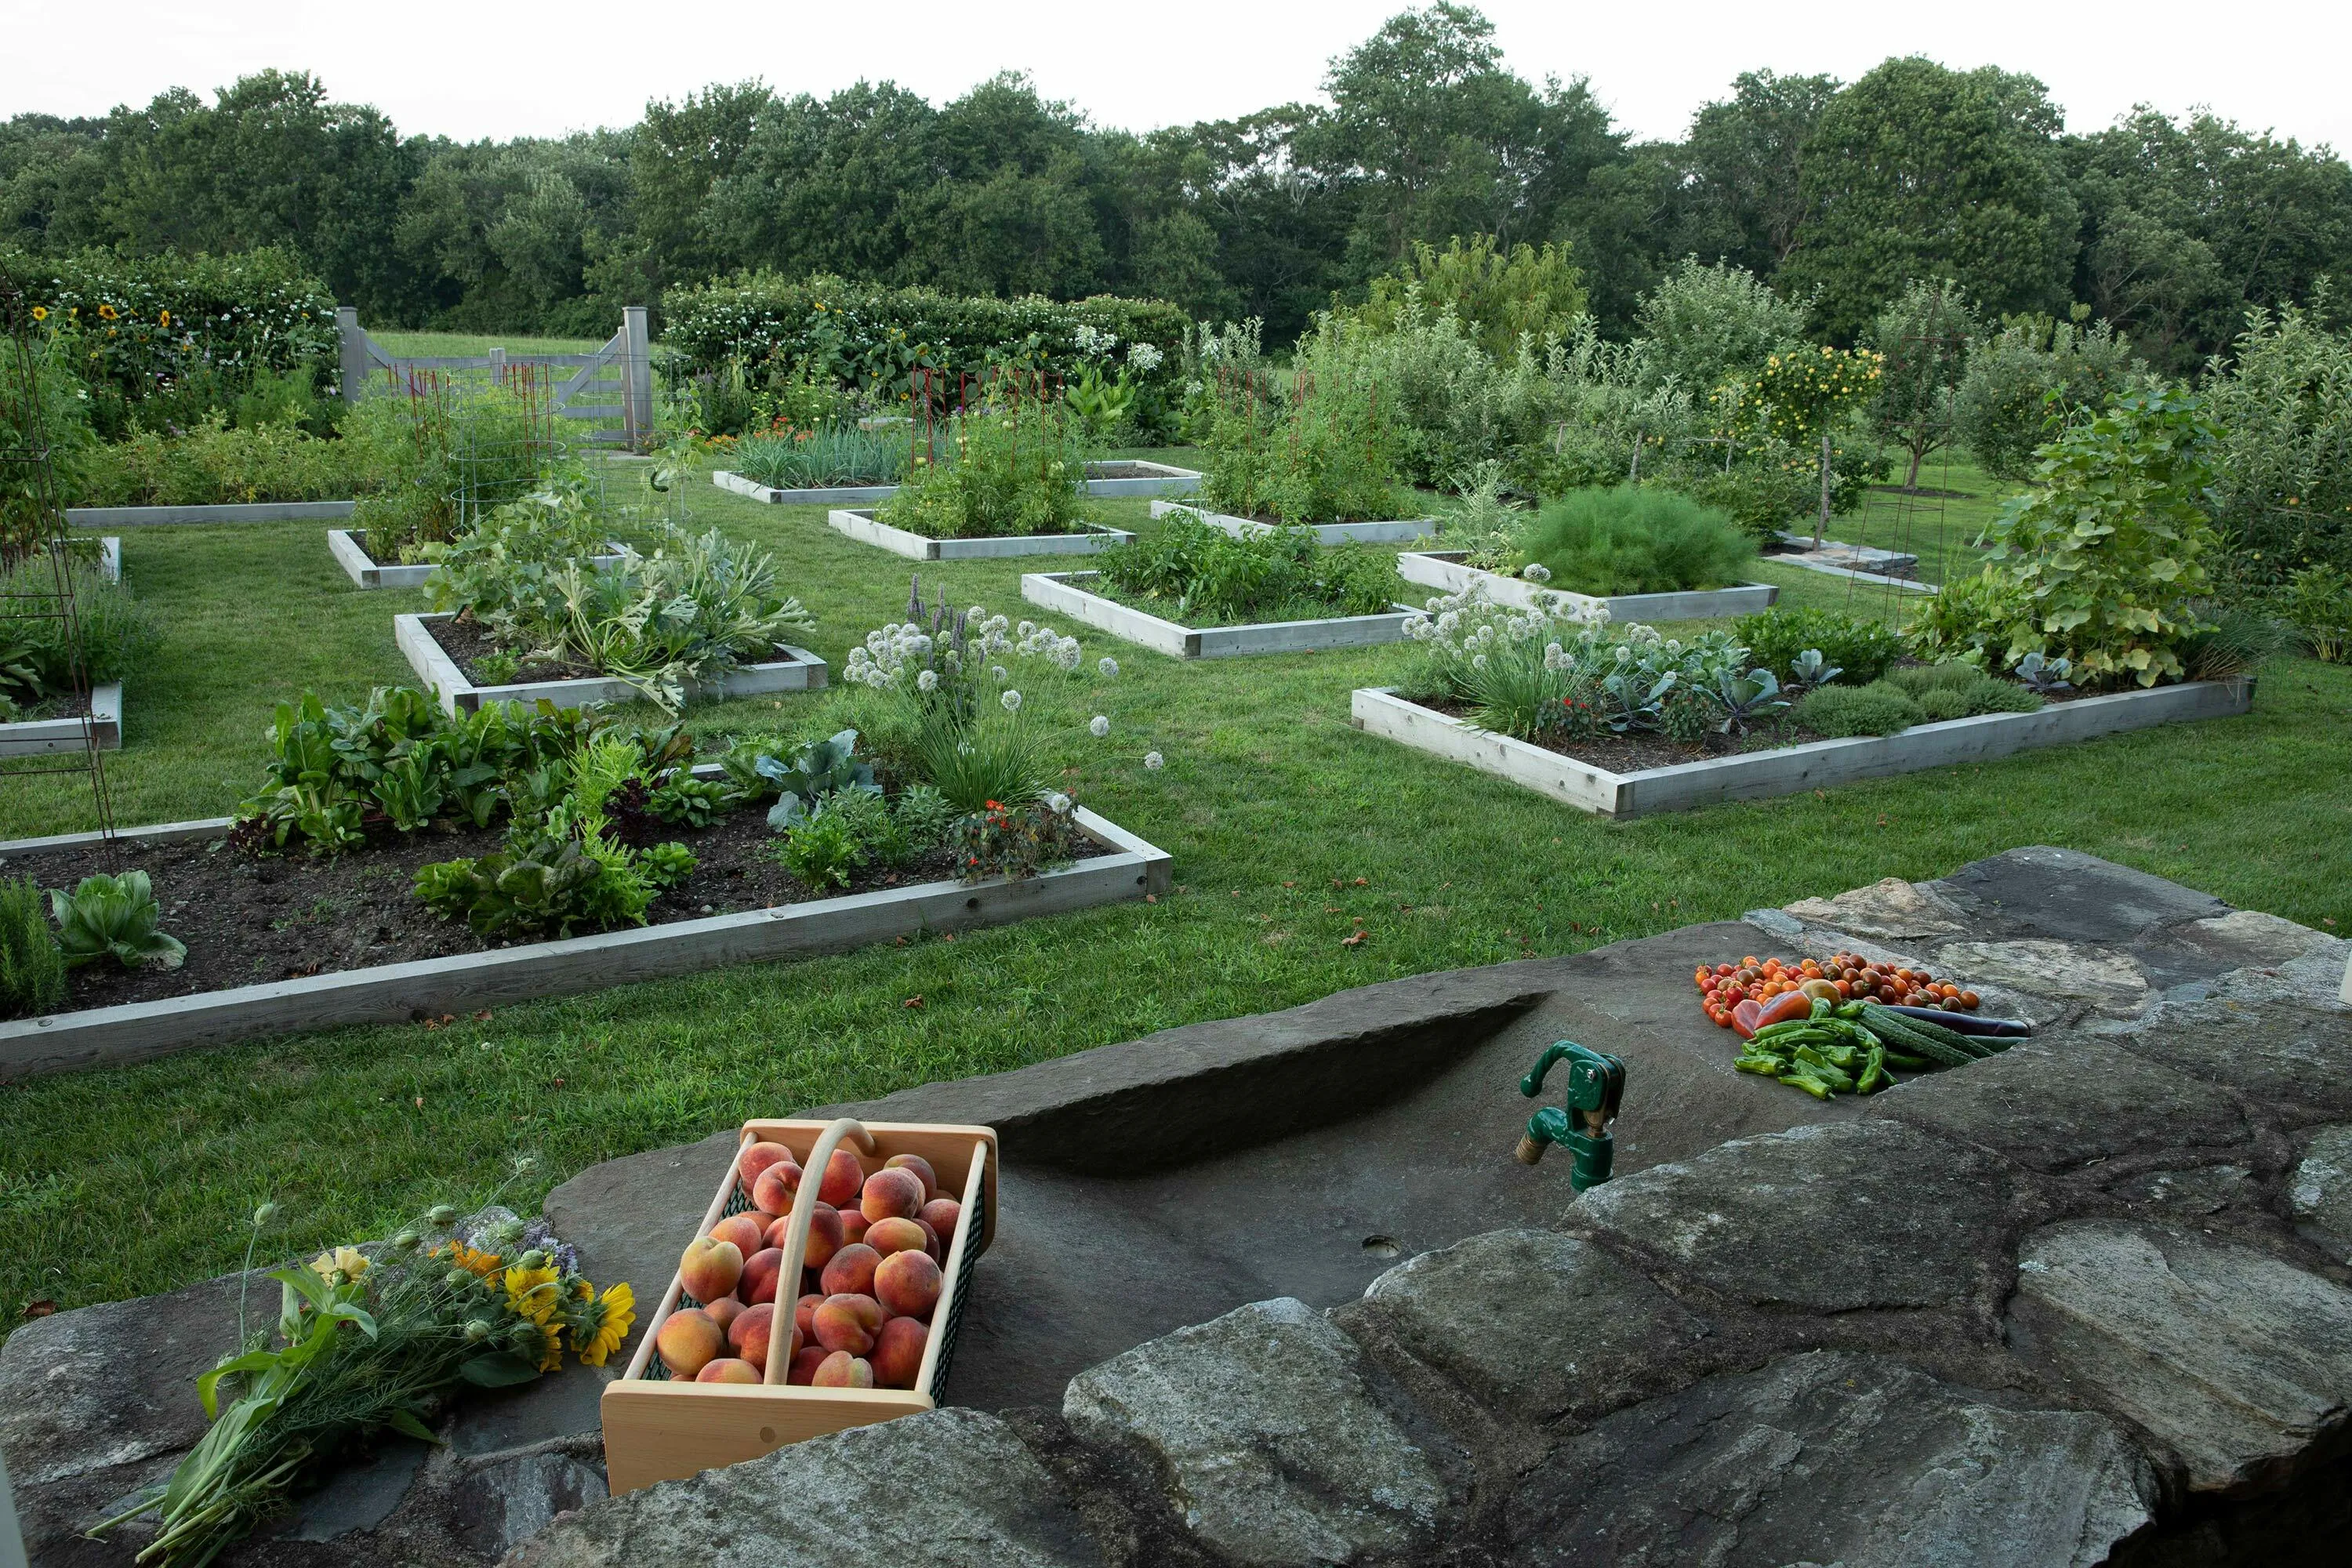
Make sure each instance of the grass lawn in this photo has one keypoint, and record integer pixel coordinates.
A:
(1290, 831)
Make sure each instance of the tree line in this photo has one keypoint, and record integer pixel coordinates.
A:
(1837, 194)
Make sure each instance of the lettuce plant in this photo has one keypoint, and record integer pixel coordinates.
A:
(114, 917)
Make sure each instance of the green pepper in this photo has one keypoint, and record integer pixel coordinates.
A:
(1822, 1068)
(1763, 1066)
(1810, 1084)
(1874, 1072)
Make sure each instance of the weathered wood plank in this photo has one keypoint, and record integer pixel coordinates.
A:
(862, 526)
(1443, 570)
(243, 511)
(46, 737)
(799, 670)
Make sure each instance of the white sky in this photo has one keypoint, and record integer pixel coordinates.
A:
(501, 70)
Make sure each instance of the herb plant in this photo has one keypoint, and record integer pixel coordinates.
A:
(1015, 464)
(1204, 575)
(1636, 540)
(32, 964)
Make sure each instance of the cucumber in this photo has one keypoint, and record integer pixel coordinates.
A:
(1898, 1035)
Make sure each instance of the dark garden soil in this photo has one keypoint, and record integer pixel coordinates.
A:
(466, 640)
(250, 917)
(1631, 754)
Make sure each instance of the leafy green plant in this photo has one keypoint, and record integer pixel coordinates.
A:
(1502, 295)
(1861, 646)
(2319, 604)
(923, 817)
(823, 850)
(2102, 562)
(32, 964)
(1000, 760)
(1636, 540)
(2232, 645)
(1322, 448)
(2044, 677)
(2282, 462)
(2025, 381)
(815, 771)
(1015, 464)
(1206, 576)
(1975, 691)
(1016, 839)
(686, 800)
(114, 917)
(1839, 711)
(826, 455)
(111, 634)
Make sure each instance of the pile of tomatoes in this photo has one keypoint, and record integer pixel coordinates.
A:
(1844, 977)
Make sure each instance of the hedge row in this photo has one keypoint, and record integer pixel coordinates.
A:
(871, 338)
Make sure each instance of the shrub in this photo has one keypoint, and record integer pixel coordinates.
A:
(2102, 562)
(1015, 464)
(1704, 325)
(1861, 646)
(2319, 604)
(211, 464)
(1440, 402)
(32, 964)
(1207, 575)
(1636, 540)
(1504, 298)
(1840, 711)
(1967, 685)
(2283, 467)
(2026, 378)
(1794, 398)
(2233, 645)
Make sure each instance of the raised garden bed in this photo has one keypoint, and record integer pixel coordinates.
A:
(1120, 477)
(862, 526)
(1399, 531)
(658, 1427)
(365, 571)
(71, 732)
(237, 511)
(1443, 570)
(339, 966)
(1786, 770)
(1864, 563)
(1071, 594)
(439, 668)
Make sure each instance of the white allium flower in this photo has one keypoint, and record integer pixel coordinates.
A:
(1536, 572)
(1153, 761)
(1449, 623)
(1098, 726)
(1478, 661)
(1107, 667)
(929, 681)
(1624, 654)
(1058, 804)
(1012, 701)
(999, 671)
(1028, 628)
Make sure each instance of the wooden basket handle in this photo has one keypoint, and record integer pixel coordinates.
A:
(788, 1272)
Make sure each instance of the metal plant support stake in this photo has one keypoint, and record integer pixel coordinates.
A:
(33, 525)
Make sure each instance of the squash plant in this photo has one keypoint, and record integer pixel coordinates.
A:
(2102, 558)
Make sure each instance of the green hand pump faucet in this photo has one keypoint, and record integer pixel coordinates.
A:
(1596, 1083)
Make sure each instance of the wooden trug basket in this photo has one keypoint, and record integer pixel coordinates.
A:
(659, 1429)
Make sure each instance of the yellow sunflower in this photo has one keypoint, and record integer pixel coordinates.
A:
(164, 320)
(347, 1261)
(551, 1353)
(40, 313)
(482, 1263)
(616, 1314)
(106, 313)
(533, 1293)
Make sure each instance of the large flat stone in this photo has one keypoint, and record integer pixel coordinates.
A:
(2064, 1102)
(2111, 981)
(2321, 1191)
(1893, 909)
(2237, 1361)
(1826, 1219)
(942, 1490)
(2296, 1060)
(1833, 1458)
(1535, 1324)
(1275, 1448)
(2068, 895)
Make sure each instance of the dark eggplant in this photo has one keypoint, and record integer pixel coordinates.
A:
(1969, 1024)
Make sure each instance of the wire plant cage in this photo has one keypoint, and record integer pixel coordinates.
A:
(37, 570)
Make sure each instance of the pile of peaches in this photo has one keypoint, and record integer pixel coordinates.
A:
(871, 1279)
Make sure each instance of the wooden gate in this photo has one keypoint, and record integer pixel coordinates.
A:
(613, 383)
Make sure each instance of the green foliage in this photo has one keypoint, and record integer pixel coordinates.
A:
(453, 454)
(2232, 645)
(32, 964)
(817, 456)
(1636, 540)
(1322, 449)
(1861, 646)
(2105, 556)
(1922, 338)
(1014, 465)
(1839, 711)
(992, 761)
(114, 917)
(1481, 523)
(686, 801)
(1975, 691)
(211, 464)
(46, 412)
(1504, 296)
(540, 882)
(922, 814)
(1794, 398)
(825, 849)
(1702, 326)
(2023, 383)
(2282, 478)
(813, 774)
(2319, 604)
(112, 634)
(1439, 401)
(1965, 617)
(1206, 576)
(508, 563)
(1015, 838)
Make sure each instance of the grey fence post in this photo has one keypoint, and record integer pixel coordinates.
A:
(354, 347)
(638, 375)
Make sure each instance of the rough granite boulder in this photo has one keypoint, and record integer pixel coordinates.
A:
(1276, 1447)
(2238, 1363)
(2322, 1190)
(1833, 1458)
(1820, 1219)
(2294, 1060)
(946, 1489)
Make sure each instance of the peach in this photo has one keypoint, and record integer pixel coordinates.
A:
(805, 1365)
(778, 1186)
(757, 1158)
(940, 1214)
(803, 1311)
(843, 1176)
(842, 1370)
(851, 1272)
(708, 1269)
(728, 1369)
(823, 1236)
(892, 1193)
(848, 1323)
(749, 1333)
(916, 1164)
(931, 1242)
(724, 1310)
(908, 1283)
(853, 1227)
(760, 1275)
(743, 1231)
(688, 1342)
(895, 1234)
(899, 1352)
